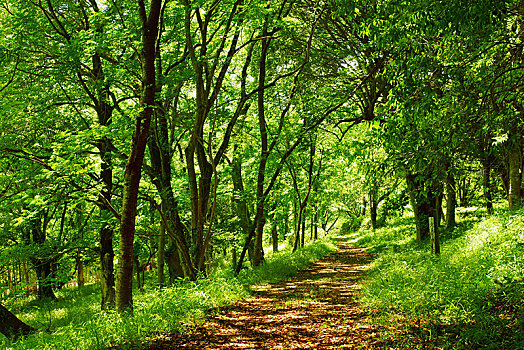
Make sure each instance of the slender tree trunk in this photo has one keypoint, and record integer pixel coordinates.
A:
(264, 154)
(434, 225)
(286, 223)
(233, 257)
(451, 202)
(486, 181)
(315, 230)
(514, 176)
(107, 277)
(373, 210)
(133, 169)
(80, 272)
(274, 237)
(299, 220)
(161, 255)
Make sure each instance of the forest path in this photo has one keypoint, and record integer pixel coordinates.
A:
(314, 309)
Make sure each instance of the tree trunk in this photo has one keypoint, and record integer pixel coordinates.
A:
(234, 257)
(173, 262)
(286, 223)
(80, 270)
(274, 237)
(42, 264)
(451, 202)
(373, 211)
(315, 229)
(133, 169)
(303, 235)
(514, 157)
(107, 277)
(486, 182)
(161, 255)
(420, 205)
(299, 219)
(43, 274)
(239, 202)
(11, 326)
(160, 156)
(264, 154)
(434, 225)
(104, 110)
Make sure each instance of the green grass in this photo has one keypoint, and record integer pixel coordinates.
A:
(75, 321)
(470, 297)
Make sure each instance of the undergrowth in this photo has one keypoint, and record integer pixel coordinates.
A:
(76, 322)
(469, 297)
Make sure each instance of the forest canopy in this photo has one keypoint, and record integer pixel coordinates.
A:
(169, 136)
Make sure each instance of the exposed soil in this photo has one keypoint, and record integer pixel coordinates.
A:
(315, 309)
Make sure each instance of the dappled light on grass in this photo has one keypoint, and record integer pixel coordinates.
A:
(469, 297)
(75, 321)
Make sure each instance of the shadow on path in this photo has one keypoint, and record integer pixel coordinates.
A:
(315, 309)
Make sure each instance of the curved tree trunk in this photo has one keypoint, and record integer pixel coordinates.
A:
(11, 326)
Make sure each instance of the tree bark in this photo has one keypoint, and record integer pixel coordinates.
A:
(264, 153)
(107, 253)
(486, 182)
(42, 264)
(514, 157)
(420, 205)
(133, 170)
(451, 202)
(239, 202)
(171, 222)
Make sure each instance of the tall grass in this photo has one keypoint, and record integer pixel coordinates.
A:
(471, 296)
(76, 322)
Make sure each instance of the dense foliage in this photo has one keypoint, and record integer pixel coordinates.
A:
(163, 136)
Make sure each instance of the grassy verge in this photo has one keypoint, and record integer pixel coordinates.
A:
(470, 297)
(75, 321)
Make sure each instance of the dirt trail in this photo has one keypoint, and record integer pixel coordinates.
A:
(315, 309)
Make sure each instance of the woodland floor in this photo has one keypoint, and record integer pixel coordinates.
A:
(315, 309)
